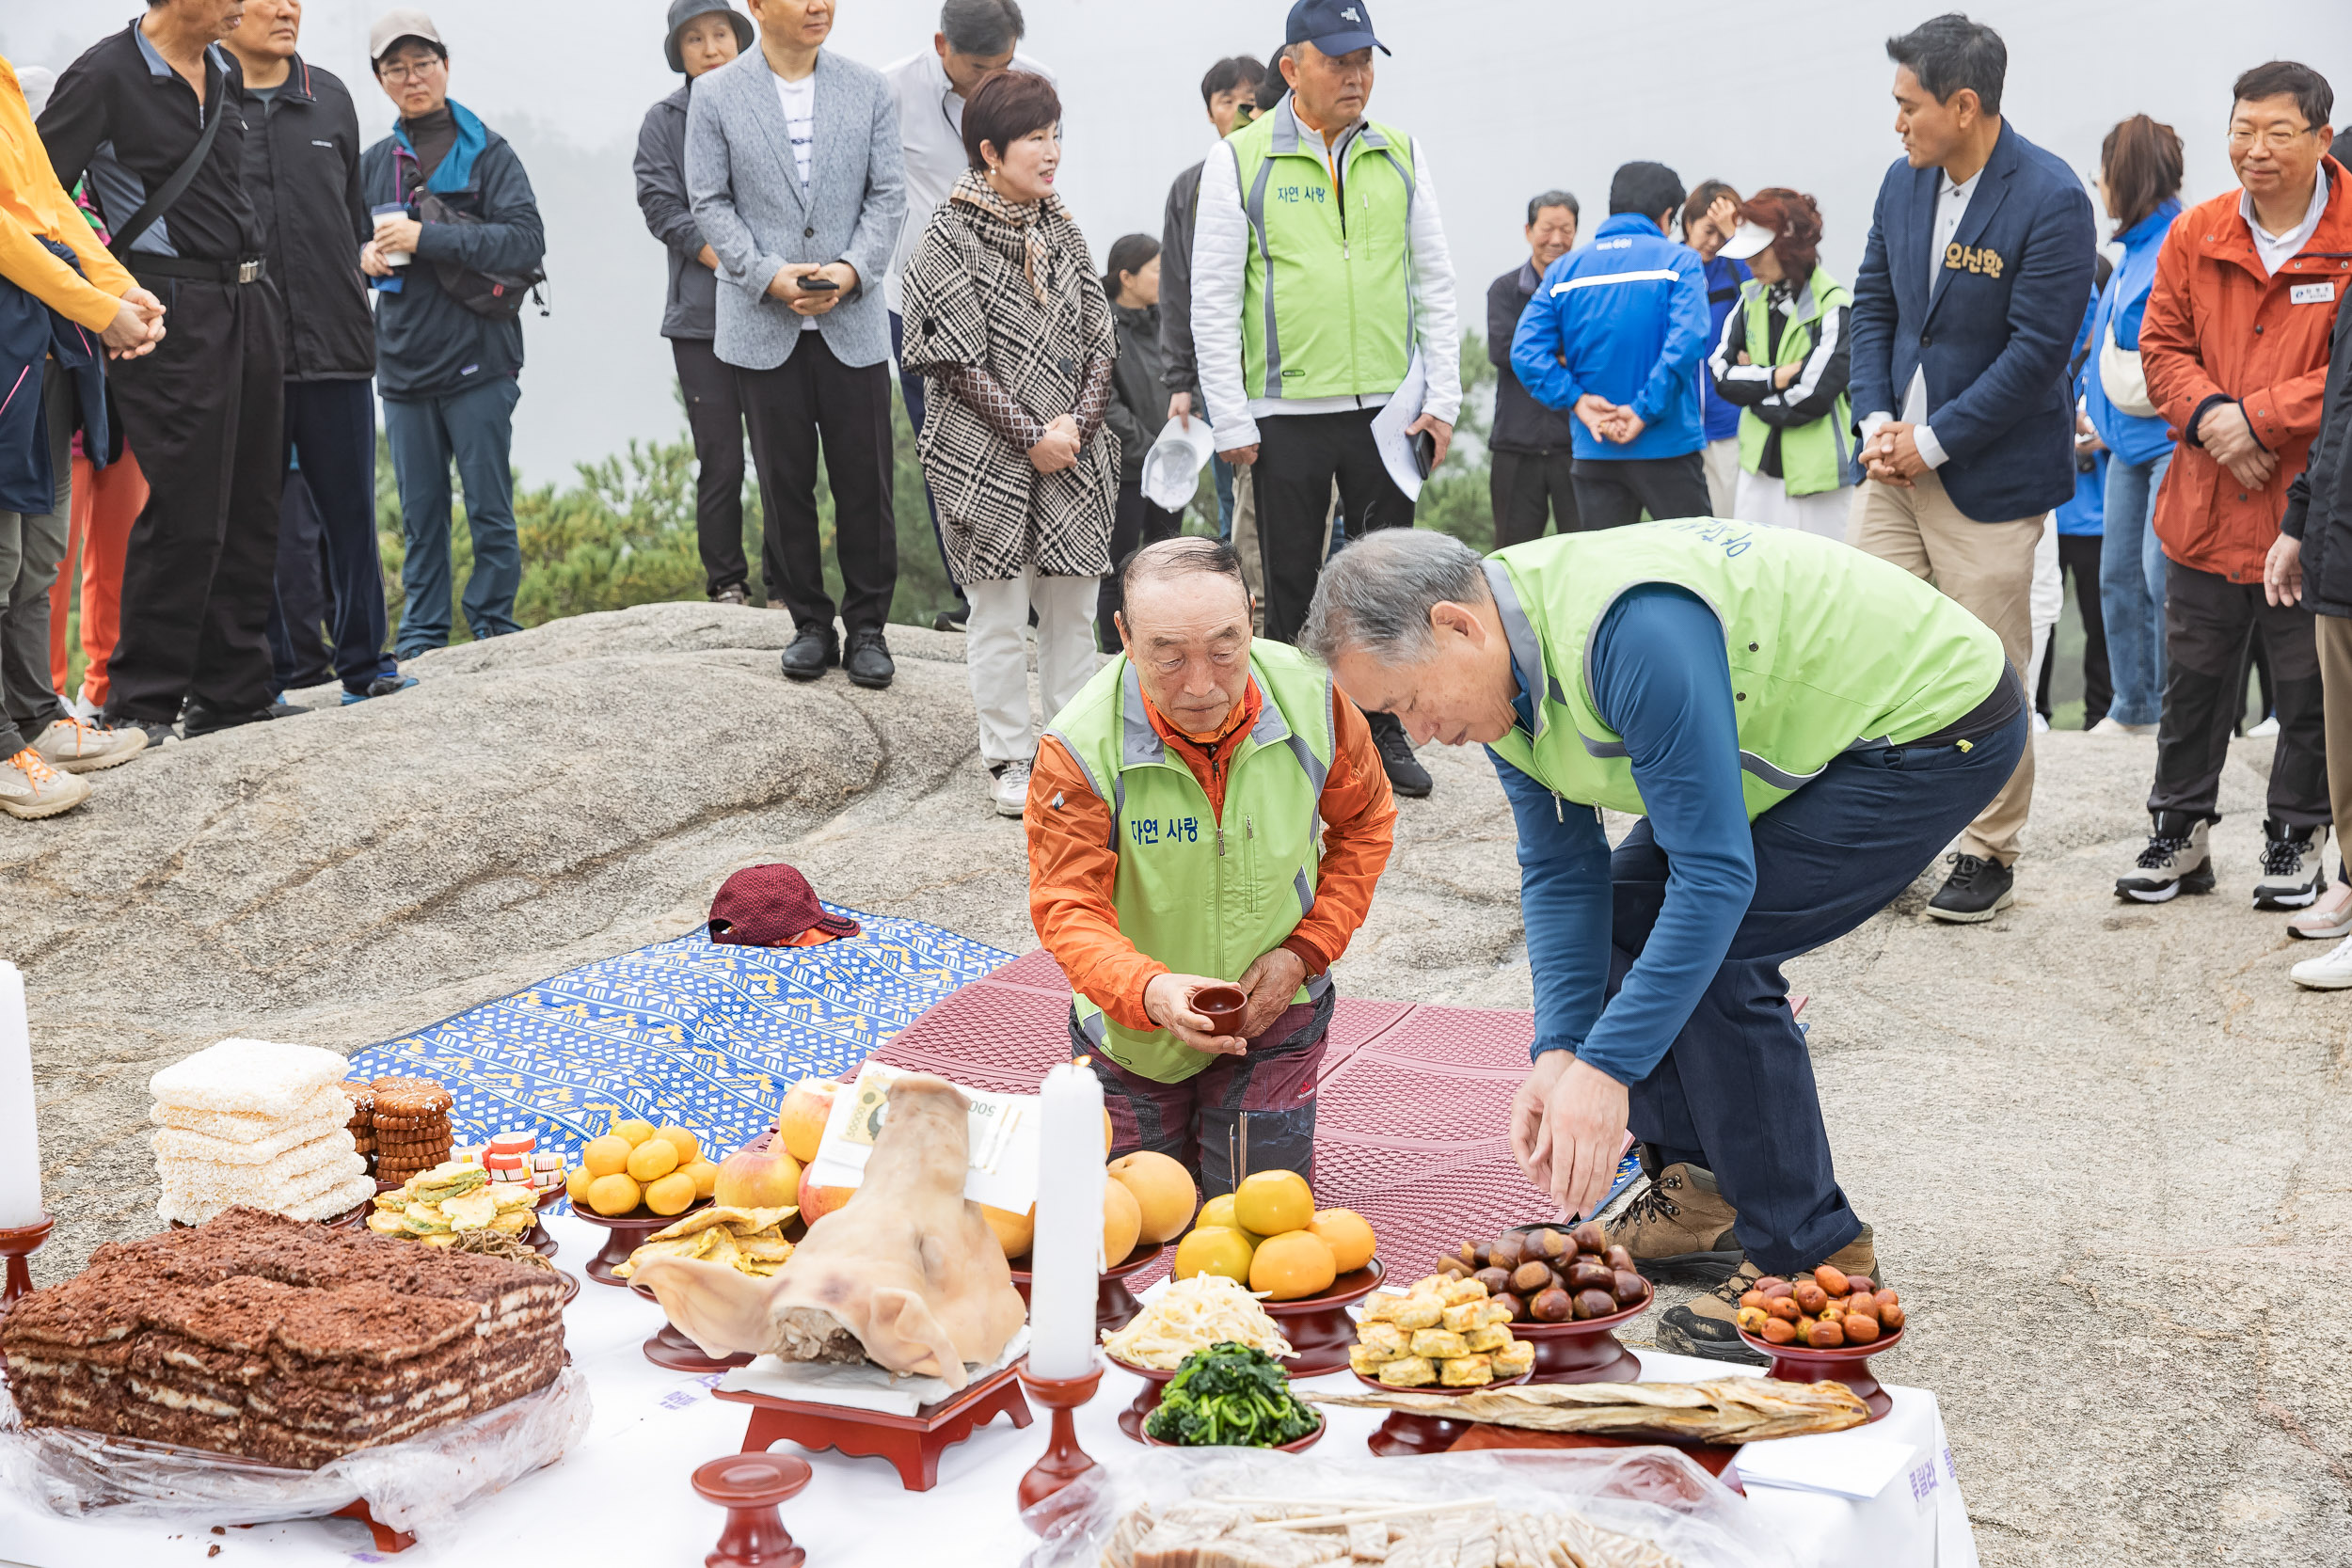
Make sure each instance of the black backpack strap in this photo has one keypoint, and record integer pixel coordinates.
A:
(160, 204)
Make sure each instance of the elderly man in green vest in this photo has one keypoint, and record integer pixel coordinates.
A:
(1319, 274)
(1204, 814)
(1800, 728)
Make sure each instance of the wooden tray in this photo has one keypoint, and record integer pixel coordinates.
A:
(913, 1444)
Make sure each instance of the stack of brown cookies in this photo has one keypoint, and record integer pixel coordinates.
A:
(411, 1122)
(362, 1124)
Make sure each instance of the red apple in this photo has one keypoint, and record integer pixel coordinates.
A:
(800, 1122)
(817, 1202)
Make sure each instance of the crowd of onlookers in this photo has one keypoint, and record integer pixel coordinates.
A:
(2023, 381)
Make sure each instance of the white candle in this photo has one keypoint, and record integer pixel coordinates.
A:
(1066, 1257)
(20, 1143)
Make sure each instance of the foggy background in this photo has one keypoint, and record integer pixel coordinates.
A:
(1508, 96)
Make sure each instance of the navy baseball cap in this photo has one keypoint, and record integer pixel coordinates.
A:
(1334, 26)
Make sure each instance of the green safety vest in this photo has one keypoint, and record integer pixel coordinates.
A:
(1326, 295)
(1201, 895)
(1813, 457)
(1830, 650)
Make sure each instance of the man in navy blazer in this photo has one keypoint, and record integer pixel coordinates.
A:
(1971, 290)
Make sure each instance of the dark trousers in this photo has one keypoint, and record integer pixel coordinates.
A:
(1611, 492)
(31, 546)
(204, 414)
(1529, 490)
(2208, 621)
(2079, 555)
(1735, 1092)
(327, 617)
(911, 388)
(1299, 455)
(813, 397)
(1238, 1114)
(475, 430)
(714, 416)
(1136, 523)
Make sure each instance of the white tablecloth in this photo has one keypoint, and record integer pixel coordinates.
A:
(625, 1490)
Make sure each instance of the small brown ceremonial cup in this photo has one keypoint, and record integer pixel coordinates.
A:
(1222, 1005)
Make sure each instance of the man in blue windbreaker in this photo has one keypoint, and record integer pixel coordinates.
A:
(1616, 333)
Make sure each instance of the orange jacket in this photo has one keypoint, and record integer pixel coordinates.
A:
(2218, 327)
(1074, 858)
(34, 207)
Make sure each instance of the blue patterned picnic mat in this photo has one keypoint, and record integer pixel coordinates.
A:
(704, 1034)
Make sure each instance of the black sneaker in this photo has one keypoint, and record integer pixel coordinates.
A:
(2175, 861)
(2294, 869)
(734, 592)
(951, 620)
(812, 653)
(1406, 776)
(157, 732)
(868, 662)
(1977, 890)
(198, 719)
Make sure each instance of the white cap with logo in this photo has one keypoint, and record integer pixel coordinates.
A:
(406, 23)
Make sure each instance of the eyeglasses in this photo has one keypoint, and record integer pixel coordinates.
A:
(2274, 139)
(402, 75)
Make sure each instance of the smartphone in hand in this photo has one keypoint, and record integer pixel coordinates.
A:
(811, 283)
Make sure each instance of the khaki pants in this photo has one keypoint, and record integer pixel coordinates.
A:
(1987, 568)
(1722, 475)
(2335, 679)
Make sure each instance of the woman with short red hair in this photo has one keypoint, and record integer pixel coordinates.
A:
(1783, 358)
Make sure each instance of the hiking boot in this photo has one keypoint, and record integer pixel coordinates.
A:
(32, 789)
(2293, 871)
(1010, 790)
(1978, 889)
(1709, 1326)
(867, 661)
(2329, 918)
(734, 592)
(383, 685)
(77, 746)
(2175, 862)
(1406, 776)
(812, 653)
(1679, 1223)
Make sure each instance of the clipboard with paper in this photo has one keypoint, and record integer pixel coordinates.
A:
(1003, 1128)
(1387, 428)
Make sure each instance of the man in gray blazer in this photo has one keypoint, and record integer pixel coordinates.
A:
(794, 162)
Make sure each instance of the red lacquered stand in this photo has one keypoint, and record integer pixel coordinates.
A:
(16, 1246)
(1848, 1364)
(388, 1540)
(1318, 1327)
(1114, 1303)
(1147, 1399)
(1410, 1431)
(628, 1233)
(1587, 1352)
(1714, 1458)
(673, 1349)
(1064, 1461)
(913, 1444)
(748, 1486)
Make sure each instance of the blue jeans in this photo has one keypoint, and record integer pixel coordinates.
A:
(476, 429)
(2131, 590)
(1224, 472)
(1735, 1092)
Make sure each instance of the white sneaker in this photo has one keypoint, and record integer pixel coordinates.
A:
(2041, 725)
(2112, 725)
(2329, 920)
(2330, 971)
(1010, 788)
(2264, 730)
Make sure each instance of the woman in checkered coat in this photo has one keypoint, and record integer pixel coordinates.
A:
(1007, 323)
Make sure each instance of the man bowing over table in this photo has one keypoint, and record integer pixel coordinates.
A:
(1801, 728)
(1207, 812)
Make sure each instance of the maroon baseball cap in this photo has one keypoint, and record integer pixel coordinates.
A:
(767, 906)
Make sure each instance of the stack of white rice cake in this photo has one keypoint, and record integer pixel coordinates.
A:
(259, 1124)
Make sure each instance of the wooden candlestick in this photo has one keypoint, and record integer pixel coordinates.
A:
(1064, 1461)
(748, 1486)
(16, 1246)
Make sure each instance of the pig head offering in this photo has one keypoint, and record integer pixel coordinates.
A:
(907, 1275)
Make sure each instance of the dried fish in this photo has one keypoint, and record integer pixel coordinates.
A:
(1730, 1410)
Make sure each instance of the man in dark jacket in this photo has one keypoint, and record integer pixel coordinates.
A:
(1967, 304)
(302, 172)
(703, 35)
(2311, 562)
(1533, 447)
(202, 412)
(1230, 93)
(448, 371)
